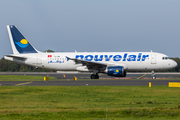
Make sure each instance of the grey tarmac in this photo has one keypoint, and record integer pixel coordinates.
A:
(137, 79)
(89, 83)
(101, 76)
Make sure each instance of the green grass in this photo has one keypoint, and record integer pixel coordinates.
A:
(89, 102)
(23, 78)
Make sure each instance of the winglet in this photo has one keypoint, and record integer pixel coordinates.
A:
(68, 58)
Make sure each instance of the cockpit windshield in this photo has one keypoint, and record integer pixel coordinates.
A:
(165, 58)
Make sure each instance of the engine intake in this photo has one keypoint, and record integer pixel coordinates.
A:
(117, 71)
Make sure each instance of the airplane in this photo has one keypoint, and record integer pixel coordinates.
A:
(111, 63)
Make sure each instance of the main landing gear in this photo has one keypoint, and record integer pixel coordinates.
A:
(94, 76)
(153, 75)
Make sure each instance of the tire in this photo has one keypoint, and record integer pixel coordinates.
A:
(97, 76)
(93, 76)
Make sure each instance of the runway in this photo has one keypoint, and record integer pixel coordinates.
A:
(130, 75)
(132, 79)
(89, 83)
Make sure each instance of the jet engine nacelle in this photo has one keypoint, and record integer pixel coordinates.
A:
(117, 71)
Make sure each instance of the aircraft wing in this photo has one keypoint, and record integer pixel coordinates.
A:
(89, 64)
(95, 65)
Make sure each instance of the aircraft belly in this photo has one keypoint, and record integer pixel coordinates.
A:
(138, 66)
(31, 61)
(56, 66)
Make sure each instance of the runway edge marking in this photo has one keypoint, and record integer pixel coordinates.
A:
(141, 76)
(23, 83)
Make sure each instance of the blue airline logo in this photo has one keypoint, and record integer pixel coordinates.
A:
(124, 57)
(23, 43)
(116, 71)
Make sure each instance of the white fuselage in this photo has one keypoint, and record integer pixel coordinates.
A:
(136, 61)
(112, 63)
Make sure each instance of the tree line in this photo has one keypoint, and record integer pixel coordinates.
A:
(9, 66)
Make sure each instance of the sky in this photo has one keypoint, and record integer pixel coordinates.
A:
(94, 25)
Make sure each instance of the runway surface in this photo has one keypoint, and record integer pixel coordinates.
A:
(89, 83)
(101, 76)
(132, 79)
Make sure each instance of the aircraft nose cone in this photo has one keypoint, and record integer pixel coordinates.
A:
(174, 64)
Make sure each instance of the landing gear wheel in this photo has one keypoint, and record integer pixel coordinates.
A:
(153, 75)
(97, 76)
(94, 76)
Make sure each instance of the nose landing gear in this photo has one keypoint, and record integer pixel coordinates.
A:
(153, 75)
